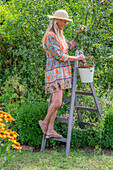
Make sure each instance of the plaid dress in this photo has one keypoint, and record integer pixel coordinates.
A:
(58, 70)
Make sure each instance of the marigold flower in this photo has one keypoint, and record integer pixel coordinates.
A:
(1, 115)
(16, 146)
(1, 129)
(2, 134)
(4, 114)
(13, 140)
(8, 131)
(8, 117)
(11, 134)
(1, 120)
(2, 124)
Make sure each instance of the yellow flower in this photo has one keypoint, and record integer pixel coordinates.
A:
(1, 129)
(3, 114)
(1, 120)
(13, 140)
(2, 134)
(2, 124)
(8, 118)
(16, 146)
(11, 134)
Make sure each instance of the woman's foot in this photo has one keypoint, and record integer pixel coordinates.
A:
(43, 126)
(53, 134)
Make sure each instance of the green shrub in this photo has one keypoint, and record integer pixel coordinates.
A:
(107, 140)
(109, 120)
(23, 24)
(27, 117)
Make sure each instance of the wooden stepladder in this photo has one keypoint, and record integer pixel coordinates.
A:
(73, 102)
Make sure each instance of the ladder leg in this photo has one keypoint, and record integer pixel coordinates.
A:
(44, 136)
(43, 143)
(71, 110)
(69, 130)
(95, 98)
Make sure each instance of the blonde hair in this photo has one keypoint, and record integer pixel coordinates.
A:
(54, 27)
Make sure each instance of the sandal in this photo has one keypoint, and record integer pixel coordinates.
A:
(44, 129)
(53, 134)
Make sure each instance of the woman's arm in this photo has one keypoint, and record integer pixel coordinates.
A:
(76, 58)
(79, 31)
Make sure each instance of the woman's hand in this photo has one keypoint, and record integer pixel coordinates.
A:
(81, 29)
(81, 57)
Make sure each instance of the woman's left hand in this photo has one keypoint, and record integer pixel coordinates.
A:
(81, 29)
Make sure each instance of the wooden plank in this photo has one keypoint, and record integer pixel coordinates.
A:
(95, 98)
(71, 109)
(67, 99)
(43, 143)
(87, 123)
(86, 108)
(84, 93)
(60, 119)
(59, 139)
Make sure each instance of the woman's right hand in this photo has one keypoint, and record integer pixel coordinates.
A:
(81, 57)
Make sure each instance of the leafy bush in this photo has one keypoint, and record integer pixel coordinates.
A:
(109, 120)
(108, 130)
(23, 24)
(27, 117)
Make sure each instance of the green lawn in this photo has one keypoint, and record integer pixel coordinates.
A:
(54, 160)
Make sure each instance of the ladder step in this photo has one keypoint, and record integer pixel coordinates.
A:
(67, 99)
(84, 93)
(59, 139)
(87, 123)
(86, 108)
(60, 119)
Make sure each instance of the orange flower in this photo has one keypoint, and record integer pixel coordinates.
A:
(2, 134)
(8, 118)
(2, 124)
(16, 146)
(1, 129)
(1, 115)
(8, 131)
(13, 140)
(11, 135)
(1, 120)
(1, 112)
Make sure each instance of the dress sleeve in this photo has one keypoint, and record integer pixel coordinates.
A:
(70, 44)
(54, 48)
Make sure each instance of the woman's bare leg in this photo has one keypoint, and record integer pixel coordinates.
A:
(48, 122)
(52, 118)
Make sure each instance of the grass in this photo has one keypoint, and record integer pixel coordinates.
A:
(54, 160)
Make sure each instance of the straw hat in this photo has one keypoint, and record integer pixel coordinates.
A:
(60, 14)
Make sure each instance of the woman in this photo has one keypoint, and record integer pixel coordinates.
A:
(58, 68)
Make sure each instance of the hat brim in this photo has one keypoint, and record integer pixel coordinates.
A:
(53, 17)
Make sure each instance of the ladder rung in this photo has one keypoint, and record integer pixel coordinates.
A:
(67, 99)
(59, 139)
(60, 119)
(84, 93)
(87, 108)
(87, 123)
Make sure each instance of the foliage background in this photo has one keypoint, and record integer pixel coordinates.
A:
(23, 60)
